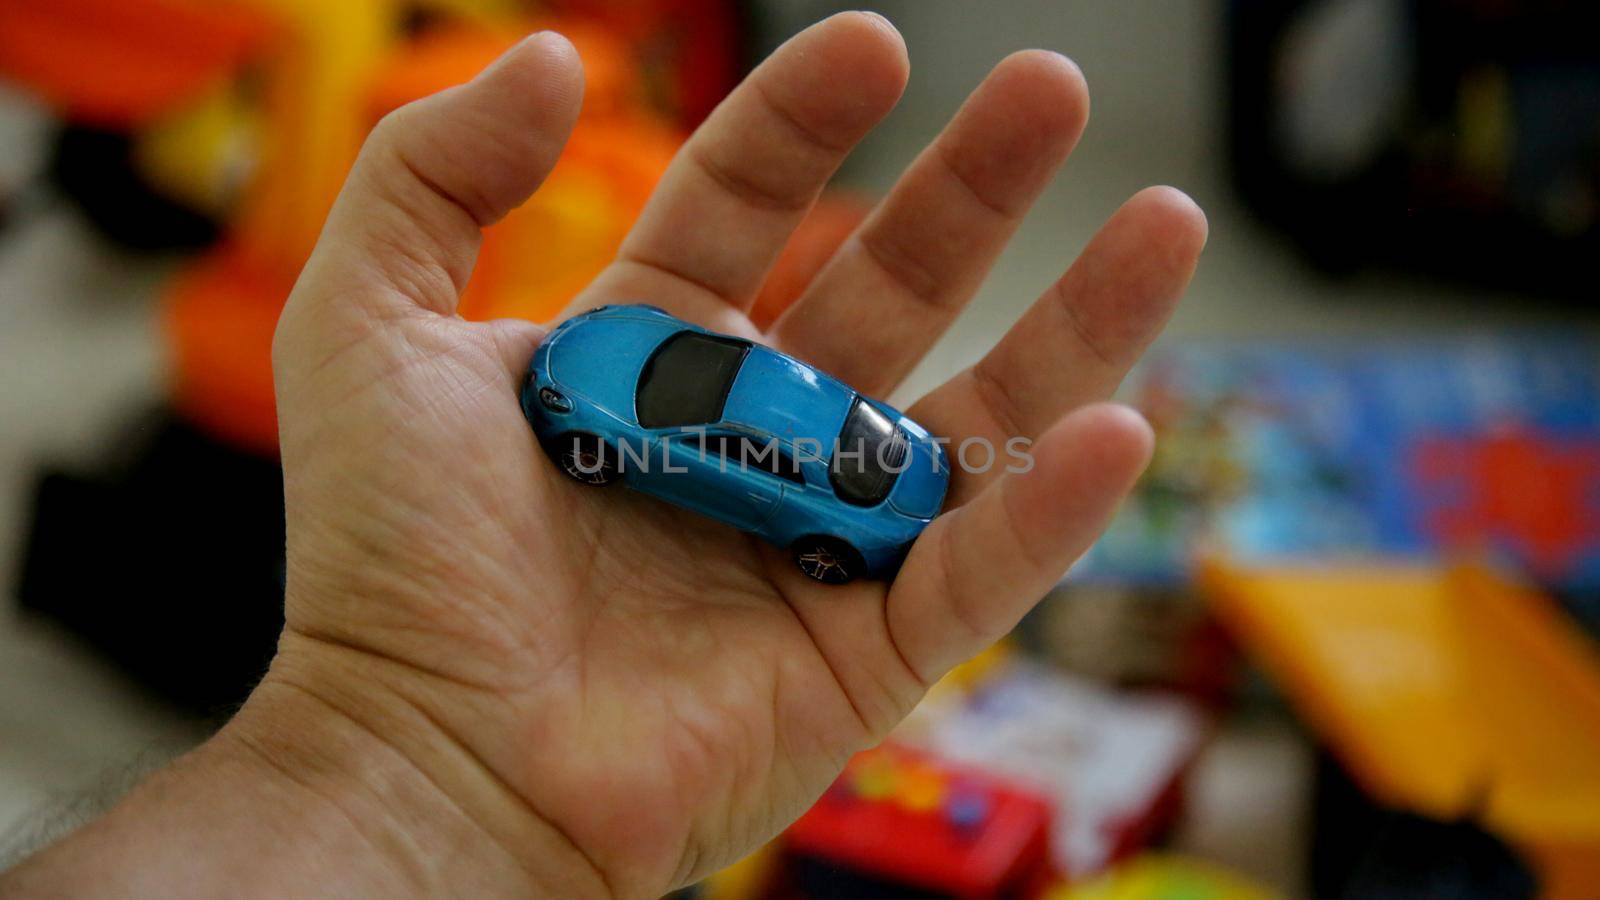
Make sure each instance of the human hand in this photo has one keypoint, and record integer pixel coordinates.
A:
(617, 695)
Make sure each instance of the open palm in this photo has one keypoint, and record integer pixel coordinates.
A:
(657, 691)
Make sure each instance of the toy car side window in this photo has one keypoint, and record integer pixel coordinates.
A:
(749, 453)
(767, 456)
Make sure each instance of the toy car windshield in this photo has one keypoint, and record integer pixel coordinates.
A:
(686, 381)
(870, 456)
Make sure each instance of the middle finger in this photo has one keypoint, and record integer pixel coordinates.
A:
(898, 282)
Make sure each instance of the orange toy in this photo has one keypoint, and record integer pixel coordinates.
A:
(616, 155)
(118, 64)
(220, 316)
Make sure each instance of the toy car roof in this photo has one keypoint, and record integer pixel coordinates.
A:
(788, 399)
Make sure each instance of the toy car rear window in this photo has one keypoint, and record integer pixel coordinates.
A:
(870, 456)
(686, 380)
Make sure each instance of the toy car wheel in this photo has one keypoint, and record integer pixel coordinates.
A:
(828, 560)
(587, 458)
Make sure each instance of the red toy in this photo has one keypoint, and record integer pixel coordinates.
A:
(902, 822)
(1516, 490)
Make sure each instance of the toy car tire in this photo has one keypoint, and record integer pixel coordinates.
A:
(828, 560)
(586, 459)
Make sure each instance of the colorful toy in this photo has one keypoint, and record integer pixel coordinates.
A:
(904, 823)
(1114, 763)
(1400, 449)
(738, 432)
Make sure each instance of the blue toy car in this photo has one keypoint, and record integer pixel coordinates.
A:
(739, 432)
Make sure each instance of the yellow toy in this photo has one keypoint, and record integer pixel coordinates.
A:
(1164, 876)
(1449, 693)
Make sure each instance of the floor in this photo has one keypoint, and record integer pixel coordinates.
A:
(78, 354)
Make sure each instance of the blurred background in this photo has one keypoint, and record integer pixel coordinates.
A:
(1342, 642)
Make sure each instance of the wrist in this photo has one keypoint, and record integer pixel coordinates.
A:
(342, 786)
(295, 797)
(242, 816)
(431, 817)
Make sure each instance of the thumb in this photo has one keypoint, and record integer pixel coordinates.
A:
(405, 231)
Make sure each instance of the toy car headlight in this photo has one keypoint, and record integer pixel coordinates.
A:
(554, 400)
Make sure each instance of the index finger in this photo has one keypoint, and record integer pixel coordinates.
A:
(736, 191)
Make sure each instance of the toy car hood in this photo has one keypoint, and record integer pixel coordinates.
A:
(920, 488)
